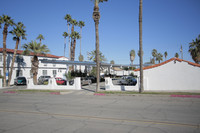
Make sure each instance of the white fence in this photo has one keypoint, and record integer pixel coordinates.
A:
(52, 85)
(110, 87)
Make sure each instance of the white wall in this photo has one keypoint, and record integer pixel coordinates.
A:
(173, 76)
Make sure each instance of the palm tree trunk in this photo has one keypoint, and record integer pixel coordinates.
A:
(69, 42)
(5, 32)
(141, 89)
(96, 17)
(80, 39)
(34, 68)
(13, 61)
(74, 47)
(64, 46)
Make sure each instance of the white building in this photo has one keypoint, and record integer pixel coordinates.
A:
(22, 65)
(172, 75)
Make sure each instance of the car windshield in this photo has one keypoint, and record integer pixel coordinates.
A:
(21, 78)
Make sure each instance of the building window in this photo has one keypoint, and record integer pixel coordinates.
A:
(45, 64)
(19, 73)
(54, 73)
(44, 72)
(0, 73)
(19, 59)
(1, 58)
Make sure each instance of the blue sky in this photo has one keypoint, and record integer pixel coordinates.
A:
(167, 24)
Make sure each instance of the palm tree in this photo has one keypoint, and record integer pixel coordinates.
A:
(81, 58)
(96, 17)
(40, 37)
(194, 49)
(112, 62)
(154, 53)
(132, 56)
(7, 21)
(159, 57)
(73, 23)
(141, 89)
(68, 18)
(176, 55)
(65, 34)
(81, 24)
(92, 56)
(74, 35)
(165, 55)
(37, 49)
(18, 32)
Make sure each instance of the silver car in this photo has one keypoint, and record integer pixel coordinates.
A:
(85, 81)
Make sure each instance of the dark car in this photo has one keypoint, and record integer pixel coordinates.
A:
(128, 80)
(131, 81)
(20, 81)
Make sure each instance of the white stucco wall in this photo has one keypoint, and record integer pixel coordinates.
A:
(173, 76)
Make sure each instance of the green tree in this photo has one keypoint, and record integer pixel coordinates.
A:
(17, 32)
(92, 56)
(74, 35)
(7, 21)
(36, 49)
(165, 55)
(132, 56)
(159, 57)
(68, 18)
(40, 37)
(65, 35)
(141, 89)
(112, 62)
(81, 24)
(96, 17)
(176, 55)
(154, 53)
(194, 49)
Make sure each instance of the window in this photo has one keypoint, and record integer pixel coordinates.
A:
(19, 73)
(19, 59)
(54, 73)
(44, 72)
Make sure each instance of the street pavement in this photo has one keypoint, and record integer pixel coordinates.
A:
(84, 112)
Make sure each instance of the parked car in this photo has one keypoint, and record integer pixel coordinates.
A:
(20, 81)
(60, 81)
(92, 78)
(42, 79)
(85, 81)
(127, 80)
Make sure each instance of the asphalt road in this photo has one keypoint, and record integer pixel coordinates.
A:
(84, 112)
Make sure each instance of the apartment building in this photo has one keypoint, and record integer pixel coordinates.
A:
(22, 65)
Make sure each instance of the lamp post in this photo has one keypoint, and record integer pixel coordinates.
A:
(96, 17)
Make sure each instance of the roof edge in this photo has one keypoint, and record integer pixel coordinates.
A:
(167, 61)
